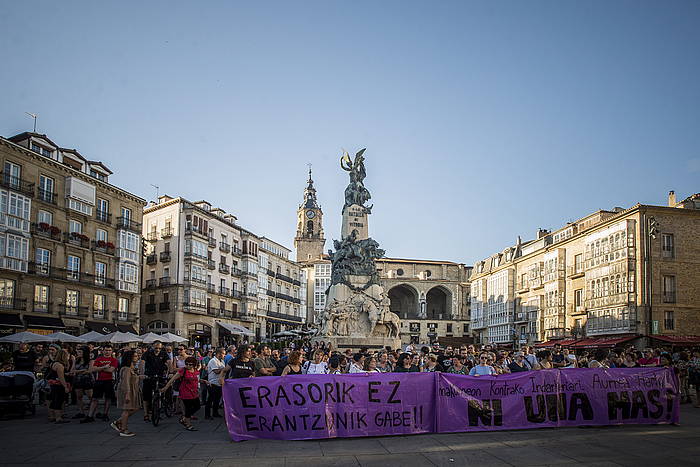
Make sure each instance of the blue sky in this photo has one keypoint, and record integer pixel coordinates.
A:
(482, 120)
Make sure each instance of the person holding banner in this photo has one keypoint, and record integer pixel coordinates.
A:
(357, 364)
(293, 364)
(241, 366)
(403, 365)
(483, 368)
(458, 366)
(317, 366)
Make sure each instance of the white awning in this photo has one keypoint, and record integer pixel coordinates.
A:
(236, 329)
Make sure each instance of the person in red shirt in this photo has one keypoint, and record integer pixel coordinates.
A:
(649, 359)
(104, 366)
(189, 390)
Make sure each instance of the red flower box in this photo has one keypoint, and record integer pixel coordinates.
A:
(101, 243)
(110, 245)
(44, 226)
(54, 230)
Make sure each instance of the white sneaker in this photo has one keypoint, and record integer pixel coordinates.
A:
(126, 434)
(115, 425)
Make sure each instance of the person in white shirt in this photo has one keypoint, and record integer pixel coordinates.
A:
(357, 365)
(317, 366)
(214, 368)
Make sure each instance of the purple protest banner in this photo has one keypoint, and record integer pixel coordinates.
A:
(330, 406)
(554, 398)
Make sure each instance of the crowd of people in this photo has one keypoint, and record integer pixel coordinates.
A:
(95, 379)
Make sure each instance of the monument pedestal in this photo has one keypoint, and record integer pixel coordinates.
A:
(341, 343)
(355, 218)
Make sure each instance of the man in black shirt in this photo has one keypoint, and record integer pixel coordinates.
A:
(24, 359)
(558, 358)
(156, 363)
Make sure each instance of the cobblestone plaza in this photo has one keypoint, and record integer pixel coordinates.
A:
(32, 441)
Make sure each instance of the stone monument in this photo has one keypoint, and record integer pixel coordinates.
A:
(357, 310)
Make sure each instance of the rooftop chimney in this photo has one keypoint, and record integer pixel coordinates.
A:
(542, 233)
(671, 199)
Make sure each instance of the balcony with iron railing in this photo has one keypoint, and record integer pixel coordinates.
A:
(150, 307)
(73, 310)
(249, 273)
(127, 223)
(100, 314)
(164, 256)
(224, 268)
(285, 278)
(45, 230)
(192, 230)
(41, 269)
(235, 293)
(211, 264)
(194, 308)
(271, 293)
(152, 236)
(101, 246)
(274, 314)
(151, 283)
(271, 273)
(211, 241)
(123, 317)
(166, 232)
(11, 303)
(103, 216)
(17, 184)
(47, 196)
(164, 307)
(39, 306)
(164, 282)
(236, 271)
(224, 291)
(151, 259)
(236, 251)
(77, 239)
(211, 288)
(225, 247)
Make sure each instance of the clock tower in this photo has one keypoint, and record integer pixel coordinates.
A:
(309, 239)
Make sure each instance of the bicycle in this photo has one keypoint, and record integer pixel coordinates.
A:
(161, 403)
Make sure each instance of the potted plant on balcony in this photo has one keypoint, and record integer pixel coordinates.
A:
(54, 230)
(101, 244)
(110, 245)
(44, 226)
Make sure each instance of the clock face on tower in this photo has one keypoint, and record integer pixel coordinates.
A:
(310, 214)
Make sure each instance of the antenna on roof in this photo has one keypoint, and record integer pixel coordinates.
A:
(34, 116)
(157, 190)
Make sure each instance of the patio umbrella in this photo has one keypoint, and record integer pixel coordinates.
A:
(151, 337)
(285, 334)
(24, 336)
(91, 336)
(119, 338)
(63, 337)
(172, 337)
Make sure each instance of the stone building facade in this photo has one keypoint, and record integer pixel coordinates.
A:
(70, 242)
(200, 273)
(281, 288)
(618, 274)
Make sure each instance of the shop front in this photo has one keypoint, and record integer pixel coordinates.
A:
(10, 323)
(232, 334)
(44, 325)
(199, 335)
(102, 328)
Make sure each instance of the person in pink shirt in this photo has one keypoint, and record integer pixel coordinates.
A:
(189, 390)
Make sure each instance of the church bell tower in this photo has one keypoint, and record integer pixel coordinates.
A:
(309, 239)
